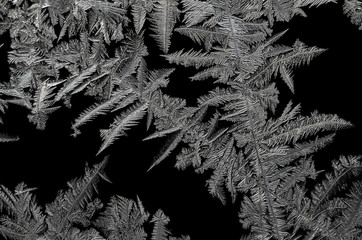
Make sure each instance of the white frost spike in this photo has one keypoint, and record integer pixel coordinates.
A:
(163, 19)
(121, 124)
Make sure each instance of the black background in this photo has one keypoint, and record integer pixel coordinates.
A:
(48, 159)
